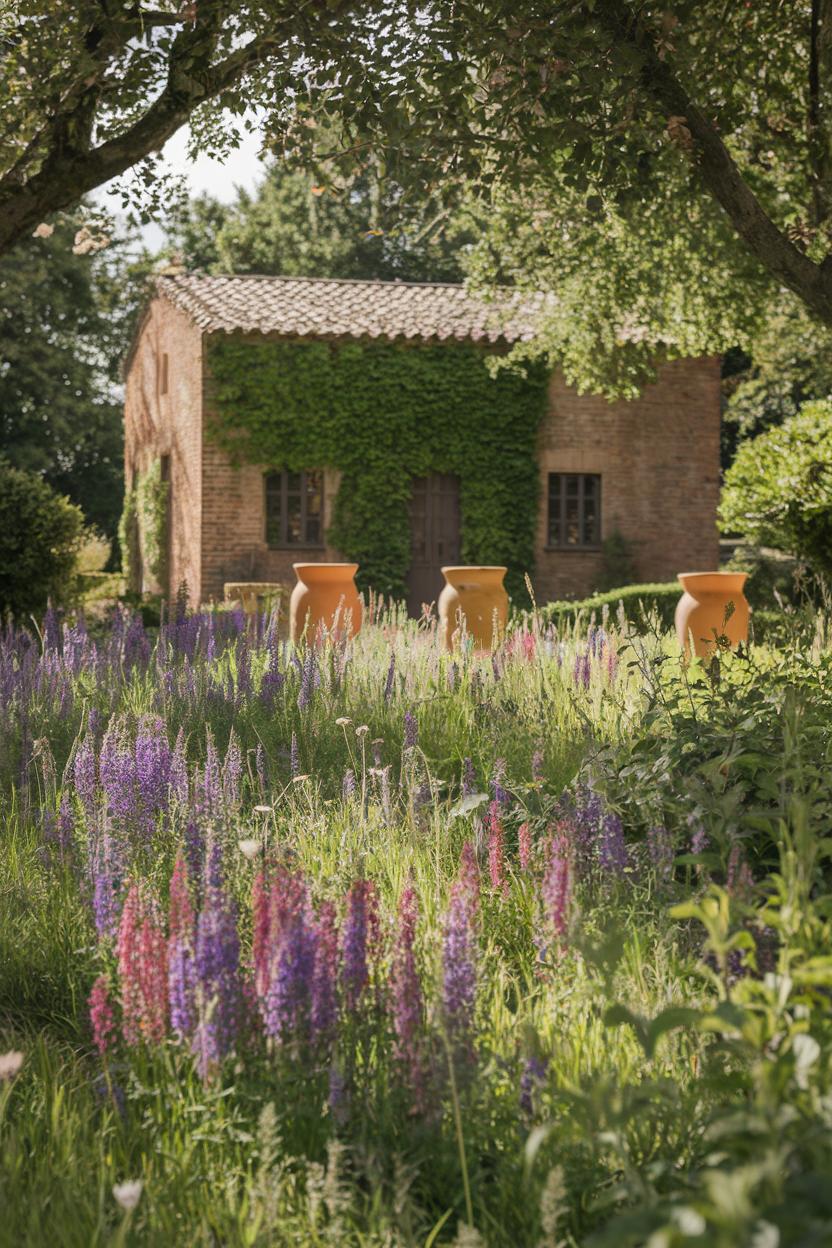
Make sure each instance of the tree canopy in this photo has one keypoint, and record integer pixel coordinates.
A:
(666, 168)
(297, 228)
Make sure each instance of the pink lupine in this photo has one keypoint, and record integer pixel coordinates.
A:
(469, 876)
(497, 850)
(556, 888)
(524, 845)
(101, 1015)
(142, 967)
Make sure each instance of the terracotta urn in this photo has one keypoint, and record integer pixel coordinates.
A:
(473, 595)
(325, 595)
(701, 609)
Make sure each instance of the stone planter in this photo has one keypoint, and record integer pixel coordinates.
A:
(701, 609)
(254, 596)
(325, 595)
(475, 596)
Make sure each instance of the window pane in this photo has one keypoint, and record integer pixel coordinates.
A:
(572, 513)
(293, 526)
(554, 509)
(294, 480)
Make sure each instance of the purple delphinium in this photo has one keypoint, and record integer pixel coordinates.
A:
(308, 680)
(216, 965)
(537, 765)
(469, 778)
(83, 771)
(581, 671)
(698, 836)
(232, 771)
(407, 997)
(534, 1074)
(391, 676)
(287, 1001)
(324, 1009)
(108, 869)
(178, 772)
(612, 851)
(354, 969)
(660, 851)
(153, 760)
(499, 792)
(459, 969)
(411, 730)
(117, 766)
(348, 784)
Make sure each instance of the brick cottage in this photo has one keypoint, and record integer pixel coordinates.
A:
(647, 469)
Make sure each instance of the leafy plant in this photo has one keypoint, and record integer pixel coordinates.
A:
(778, 491)
(40, 536)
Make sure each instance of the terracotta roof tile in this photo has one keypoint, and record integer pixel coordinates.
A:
(329, 308)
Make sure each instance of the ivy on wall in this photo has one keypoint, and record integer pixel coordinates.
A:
(143, 528)
(383, 415)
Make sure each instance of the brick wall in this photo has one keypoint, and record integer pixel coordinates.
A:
(158, 424)
(658, 458)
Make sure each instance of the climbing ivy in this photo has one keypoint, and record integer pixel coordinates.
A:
(383, 415)
(143, 527)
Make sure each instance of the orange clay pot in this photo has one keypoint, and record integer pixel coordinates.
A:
(701, 609)
(474, 594)
(325, 596)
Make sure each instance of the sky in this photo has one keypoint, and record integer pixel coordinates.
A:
(243, 168)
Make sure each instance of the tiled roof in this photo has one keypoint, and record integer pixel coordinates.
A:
(329, 308)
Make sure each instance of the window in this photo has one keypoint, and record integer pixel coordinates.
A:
(574, 509)
(294, 508)
(163, 373)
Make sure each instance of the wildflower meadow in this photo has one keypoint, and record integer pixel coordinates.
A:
(370, 943)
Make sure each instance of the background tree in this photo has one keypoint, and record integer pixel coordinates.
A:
(40, 534)
(65, 322)
(778, 491)
(295, 226)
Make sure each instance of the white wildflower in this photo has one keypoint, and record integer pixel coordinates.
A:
(127, 1194)
(43, 230)
(299, 779)
(10, 1064)
(262, 810)
(249, 848)
(343, 720)
(362, 730)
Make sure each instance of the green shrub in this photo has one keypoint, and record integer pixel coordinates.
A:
(778, 491)
(40, 535)
(635, 601)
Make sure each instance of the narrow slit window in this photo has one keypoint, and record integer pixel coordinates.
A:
(574, 510)
(294, 509)
(163, 373)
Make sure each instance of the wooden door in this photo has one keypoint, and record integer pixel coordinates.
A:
(434, 540)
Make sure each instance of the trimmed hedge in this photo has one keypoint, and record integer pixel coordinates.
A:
(40, 536)
(637, 601)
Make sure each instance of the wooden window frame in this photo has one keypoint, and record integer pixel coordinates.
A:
(164, 373)
(283, 542)
(583, 544)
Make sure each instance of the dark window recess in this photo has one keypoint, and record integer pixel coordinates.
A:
(163, 373)
(574, 509)
(294, 508)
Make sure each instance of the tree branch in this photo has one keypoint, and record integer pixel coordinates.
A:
(720, 173)
(820, 150)
(70, 172)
